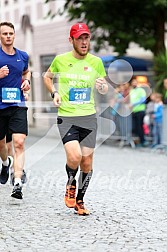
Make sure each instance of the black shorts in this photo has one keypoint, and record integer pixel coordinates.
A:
(13, 120)
(8, 137)
(80, 128)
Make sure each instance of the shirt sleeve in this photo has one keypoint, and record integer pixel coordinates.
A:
(53, 66)
(101, 71)
(26, 59)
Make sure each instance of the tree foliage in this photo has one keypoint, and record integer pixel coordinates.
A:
(121, 22)
(160, 68)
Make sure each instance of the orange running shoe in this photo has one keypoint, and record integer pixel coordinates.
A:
(80, 209)
(70, 198)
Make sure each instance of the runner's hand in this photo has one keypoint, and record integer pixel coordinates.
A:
(25, 86)
(101, 85)
(4, 71)
(26, 96)
(57, 100)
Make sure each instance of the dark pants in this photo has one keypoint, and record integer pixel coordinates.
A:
(138, 125)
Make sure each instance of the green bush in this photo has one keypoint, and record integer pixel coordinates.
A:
(160, 69)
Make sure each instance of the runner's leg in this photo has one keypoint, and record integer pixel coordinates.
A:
(19, 158)
(73, 154)
(84, 179)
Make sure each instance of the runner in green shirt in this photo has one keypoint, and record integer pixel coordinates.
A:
(79, 73)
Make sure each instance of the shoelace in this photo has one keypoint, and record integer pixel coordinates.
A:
(71, 192)
(6, 166)
(81, 204)
(17, 186)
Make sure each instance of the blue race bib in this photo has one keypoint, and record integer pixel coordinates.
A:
(10, 95)
(79, 95)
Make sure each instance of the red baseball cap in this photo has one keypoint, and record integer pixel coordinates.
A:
(79, 29)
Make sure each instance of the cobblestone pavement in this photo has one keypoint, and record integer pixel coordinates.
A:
(127, 198)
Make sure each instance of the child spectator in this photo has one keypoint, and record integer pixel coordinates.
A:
(157, 120)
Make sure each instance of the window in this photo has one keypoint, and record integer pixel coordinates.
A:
(45, 62)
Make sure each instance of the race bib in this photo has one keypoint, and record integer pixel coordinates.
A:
(79, 95)
(11, 95)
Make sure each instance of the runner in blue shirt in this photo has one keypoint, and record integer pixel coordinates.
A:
(13, 111)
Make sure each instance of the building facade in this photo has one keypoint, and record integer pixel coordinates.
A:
(43, 38)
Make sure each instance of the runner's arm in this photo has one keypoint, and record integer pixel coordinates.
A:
(26, 76)
(48, 81)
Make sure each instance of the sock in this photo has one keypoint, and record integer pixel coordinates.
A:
(71, 175)
(6, 162)
(84, 179)
(17, 181)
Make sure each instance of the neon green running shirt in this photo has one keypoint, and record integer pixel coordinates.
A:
(76, 83)
(137, 99)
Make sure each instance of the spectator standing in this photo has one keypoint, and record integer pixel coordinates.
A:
(157, 120)
(138, 106)
(123, 114)
(149, 113)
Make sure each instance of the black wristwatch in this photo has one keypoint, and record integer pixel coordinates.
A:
(53, 94)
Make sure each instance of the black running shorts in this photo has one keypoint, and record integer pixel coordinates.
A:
(8, 137)
(13, 120)
(80, 128)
